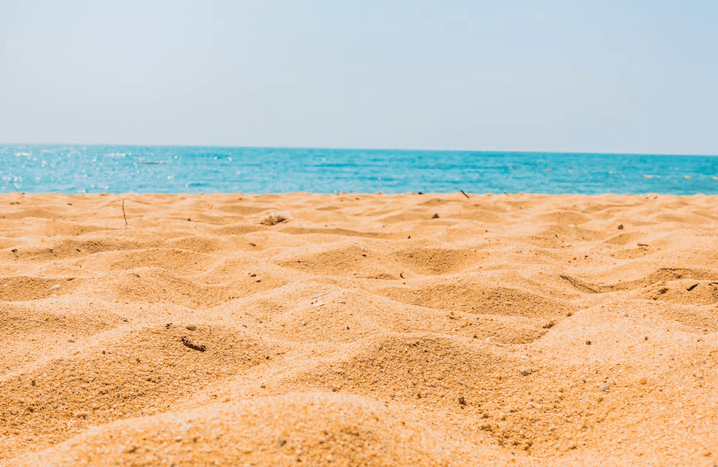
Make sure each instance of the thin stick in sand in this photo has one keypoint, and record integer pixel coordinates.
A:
(123, 212)
(462, 192)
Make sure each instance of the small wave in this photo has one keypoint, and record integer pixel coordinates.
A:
(150, 162)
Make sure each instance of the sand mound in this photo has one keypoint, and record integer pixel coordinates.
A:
(359, 330)
(128, 373)
(306, 429)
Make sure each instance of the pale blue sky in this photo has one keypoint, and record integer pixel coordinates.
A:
(555, 75)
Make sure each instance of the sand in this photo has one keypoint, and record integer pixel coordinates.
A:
(348, 329)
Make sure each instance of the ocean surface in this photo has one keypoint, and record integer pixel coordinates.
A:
(167, 169)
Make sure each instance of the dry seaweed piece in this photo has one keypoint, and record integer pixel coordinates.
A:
(193, 345)
(274, 219)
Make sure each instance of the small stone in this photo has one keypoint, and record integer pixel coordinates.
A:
(588, 342)
(605, 387)
(71, 341)
(462, 401)
(191, 327)
(55, 287)
(620, 227)
(525, 372)
(435, 216)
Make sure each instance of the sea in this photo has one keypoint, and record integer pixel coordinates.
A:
(183, 169)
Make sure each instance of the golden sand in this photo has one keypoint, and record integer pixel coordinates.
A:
(358, 330)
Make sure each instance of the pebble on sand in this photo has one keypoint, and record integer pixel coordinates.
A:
(525, 371)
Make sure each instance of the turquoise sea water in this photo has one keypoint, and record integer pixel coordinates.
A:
(167, 169)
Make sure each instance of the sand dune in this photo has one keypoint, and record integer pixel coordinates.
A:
(358, 329)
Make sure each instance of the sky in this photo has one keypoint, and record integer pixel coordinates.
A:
(630, 76)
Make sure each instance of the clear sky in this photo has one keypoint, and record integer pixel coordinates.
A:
(554, 75)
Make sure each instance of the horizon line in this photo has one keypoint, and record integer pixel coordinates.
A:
(366, 149)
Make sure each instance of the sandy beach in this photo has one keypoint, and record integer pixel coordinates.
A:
(355, 329)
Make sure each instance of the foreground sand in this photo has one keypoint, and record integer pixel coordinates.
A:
(365, 330)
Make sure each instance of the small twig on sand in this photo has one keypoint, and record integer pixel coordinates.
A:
(462, 192)
(193, 345)
(123, 212)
